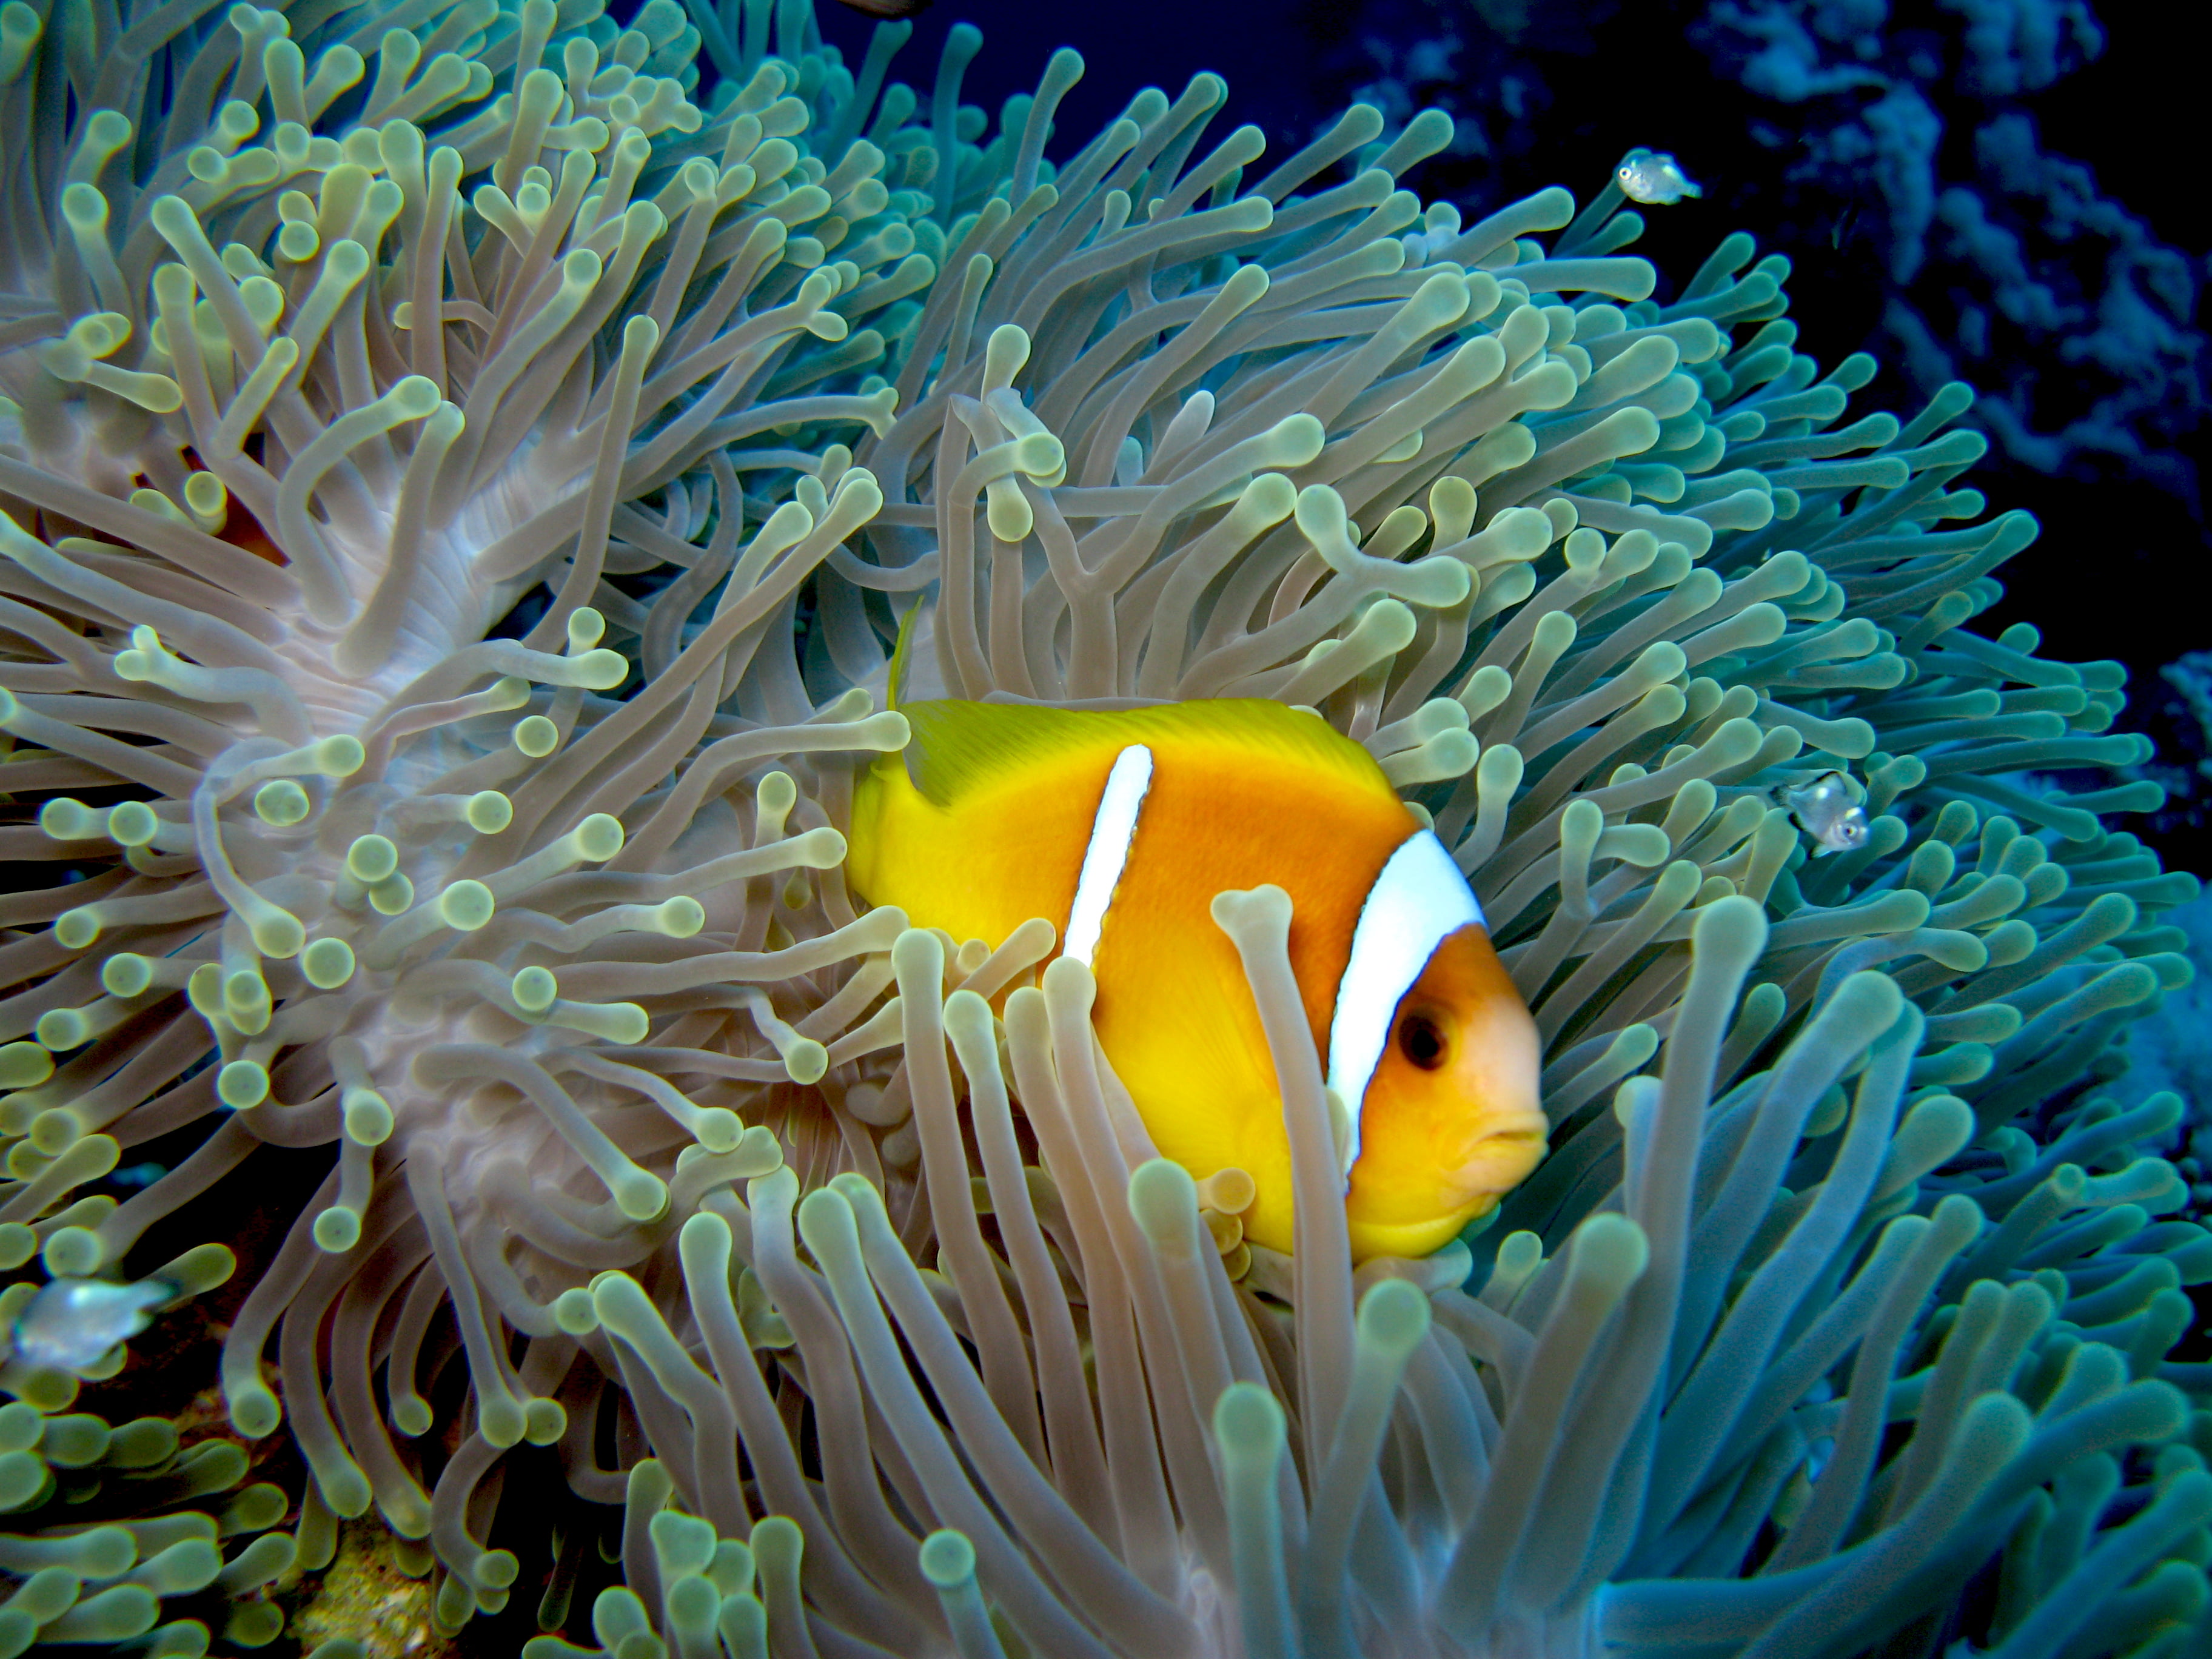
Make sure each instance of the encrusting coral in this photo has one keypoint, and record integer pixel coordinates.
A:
(457, 485)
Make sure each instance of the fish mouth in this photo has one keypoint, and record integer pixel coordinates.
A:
(1496, 1162)
(1415, 1223)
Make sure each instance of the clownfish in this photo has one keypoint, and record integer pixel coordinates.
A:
(1119, 827)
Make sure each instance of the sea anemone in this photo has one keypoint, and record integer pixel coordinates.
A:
(459, 486)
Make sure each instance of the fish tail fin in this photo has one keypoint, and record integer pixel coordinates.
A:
(902, 653)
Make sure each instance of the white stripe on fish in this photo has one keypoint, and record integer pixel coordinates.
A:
(1112, 833)
(1417, 900)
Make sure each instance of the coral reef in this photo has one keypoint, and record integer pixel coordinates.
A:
(461, 473)
(2035, 277)
(2165, 1052)
(2174, 709)
(371, 1599)
(1917, 135)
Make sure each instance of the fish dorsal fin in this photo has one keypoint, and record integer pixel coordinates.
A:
(959, 748)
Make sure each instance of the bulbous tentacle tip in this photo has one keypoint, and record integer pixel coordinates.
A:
(1163, 1200)
(1611, 1252)
(947, 1558)
(1731, 930)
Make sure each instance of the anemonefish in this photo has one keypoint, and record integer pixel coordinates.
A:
(1120, 826)
(1654, 179)
(71, 1323)
(1827, 809)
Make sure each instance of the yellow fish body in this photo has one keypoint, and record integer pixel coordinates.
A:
(1120, 827)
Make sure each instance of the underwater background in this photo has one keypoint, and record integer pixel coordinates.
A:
(1979, 191)
(2004, 192)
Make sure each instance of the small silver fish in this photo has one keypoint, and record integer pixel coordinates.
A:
(1652, 179)
(1828, 811)
(71, 1322)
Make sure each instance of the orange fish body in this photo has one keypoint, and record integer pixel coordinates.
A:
(1120, 827)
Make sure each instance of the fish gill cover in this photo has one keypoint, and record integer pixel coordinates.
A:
(458, 482)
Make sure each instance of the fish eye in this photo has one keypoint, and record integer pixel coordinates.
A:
(1421, 1040)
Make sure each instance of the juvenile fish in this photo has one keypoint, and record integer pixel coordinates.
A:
(71, 1322)
(1655, 178)
(1119, 827)
(1827, 810)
